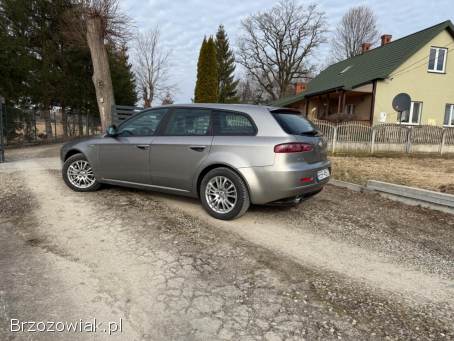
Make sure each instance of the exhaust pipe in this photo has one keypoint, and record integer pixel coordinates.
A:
(297, 200)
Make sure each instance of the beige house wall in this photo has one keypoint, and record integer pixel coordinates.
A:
(433, 89)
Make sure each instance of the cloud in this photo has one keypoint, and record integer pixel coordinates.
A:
(183, 24)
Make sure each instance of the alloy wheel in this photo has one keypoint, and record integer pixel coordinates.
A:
(221, 194)
(80, 174)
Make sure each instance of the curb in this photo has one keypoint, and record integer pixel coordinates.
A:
(413, 193)
(405, 194)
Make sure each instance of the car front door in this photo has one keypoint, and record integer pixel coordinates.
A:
(177, 153)
(126, 156)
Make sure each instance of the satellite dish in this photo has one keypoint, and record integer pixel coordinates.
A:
(402, 102)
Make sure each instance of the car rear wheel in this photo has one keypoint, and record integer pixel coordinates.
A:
(78, 174)
(224, 194)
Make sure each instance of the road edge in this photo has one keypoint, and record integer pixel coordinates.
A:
(408, 195)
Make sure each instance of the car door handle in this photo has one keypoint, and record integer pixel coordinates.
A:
(143, 146)
(198, 148)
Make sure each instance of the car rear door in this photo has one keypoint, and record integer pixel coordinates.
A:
(126, 157)
(183, 143)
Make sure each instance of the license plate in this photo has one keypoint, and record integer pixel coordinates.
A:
(323, 174)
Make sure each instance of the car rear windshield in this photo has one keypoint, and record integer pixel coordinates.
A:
(294, 124)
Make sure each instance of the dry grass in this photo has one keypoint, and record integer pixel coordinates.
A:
(435, 174)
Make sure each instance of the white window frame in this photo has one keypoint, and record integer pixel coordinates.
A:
(451, 117)
(437, 51)
(410, 115)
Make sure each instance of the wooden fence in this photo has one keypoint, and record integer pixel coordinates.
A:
(362, 137)
(123, 112)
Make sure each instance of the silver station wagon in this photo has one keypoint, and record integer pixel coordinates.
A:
(229, 156)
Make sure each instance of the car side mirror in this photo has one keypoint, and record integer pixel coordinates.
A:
(112, 130)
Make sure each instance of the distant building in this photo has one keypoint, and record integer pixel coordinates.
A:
(362, 88)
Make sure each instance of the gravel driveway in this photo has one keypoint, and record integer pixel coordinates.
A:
(344, 265)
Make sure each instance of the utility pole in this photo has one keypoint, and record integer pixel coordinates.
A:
(2, 149)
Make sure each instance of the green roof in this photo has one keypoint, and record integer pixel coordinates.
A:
(377, 63)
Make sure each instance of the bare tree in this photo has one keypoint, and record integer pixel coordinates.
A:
(249, 91)
(95, 23)
(168, 99)
(357, 26)
(151, 66)
(276, 45)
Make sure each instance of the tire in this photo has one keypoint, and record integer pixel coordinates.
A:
(89, 183)
(209, 186)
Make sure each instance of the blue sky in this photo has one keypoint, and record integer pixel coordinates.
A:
(183, 24)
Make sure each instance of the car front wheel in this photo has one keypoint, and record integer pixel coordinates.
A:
(78, 174)
(224, 194)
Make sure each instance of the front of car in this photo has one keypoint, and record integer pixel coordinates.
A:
(81, 145)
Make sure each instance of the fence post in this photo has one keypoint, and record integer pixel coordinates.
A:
(2, 151)
(372, 145)
(409, 136)
(334, 139)
(443, 140)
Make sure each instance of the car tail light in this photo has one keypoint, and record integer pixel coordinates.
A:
(294, 147)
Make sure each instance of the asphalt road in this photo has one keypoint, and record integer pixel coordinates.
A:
(343, 265)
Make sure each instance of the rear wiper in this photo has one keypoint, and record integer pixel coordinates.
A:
(310, 133)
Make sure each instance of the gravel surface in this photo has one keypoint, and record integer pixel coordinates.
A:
(344, 265)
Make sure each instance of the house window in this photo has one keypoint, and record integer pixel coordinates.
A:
(412, 116)
(437, 59)
(350, 109)
(449, 115)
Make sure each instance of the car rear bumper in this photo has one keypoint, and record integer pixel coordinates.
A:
(273, 183)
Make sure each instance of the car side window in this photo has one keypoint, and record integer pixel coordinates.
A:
(145, 124)
(188, 122)
(232, 124)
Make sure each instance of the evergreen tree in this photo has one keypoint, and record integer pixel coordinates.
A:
(123, 80)
(206, 89)
(199, 84)
(31, 54)
(39, 68)
(15, 58)
(227, 86)
(77, 94)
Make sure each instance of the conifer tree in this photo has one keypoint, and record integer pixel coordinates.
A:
(206, 89)
(227, 86)
(123, 80)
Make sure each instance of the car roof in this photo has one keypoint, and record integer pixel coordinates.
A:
(240, 107)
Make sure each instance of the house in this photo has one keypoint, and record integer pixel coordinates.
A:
(362, 88)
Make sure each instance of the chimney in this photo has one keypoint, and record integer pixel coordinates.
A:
(386, 39)
(365, 47)
(299, 87)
